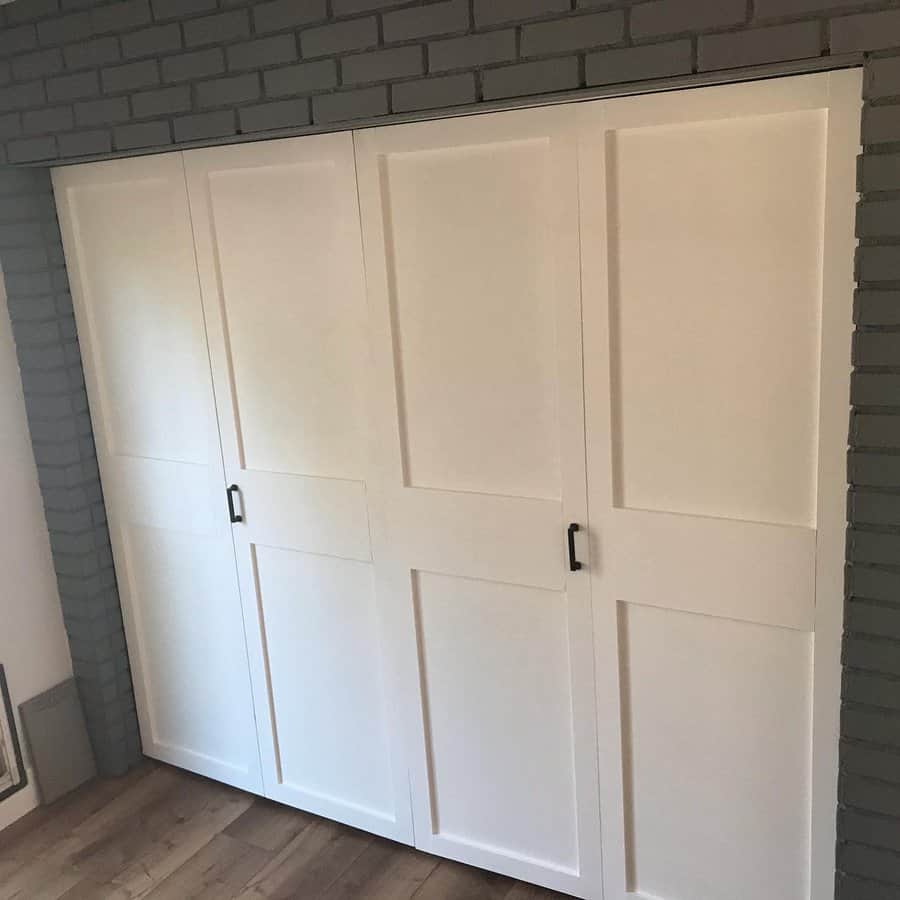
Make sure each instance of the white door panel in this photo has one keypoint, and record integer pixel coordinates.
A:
(127, 234)
(280, 257)
(715, 478)
(470, 232)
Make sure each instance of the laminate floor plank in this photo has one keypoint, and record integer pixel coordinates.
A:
(221, 869)
(383, 871)
(269, 825)
(51, 883)
(309, 864)
(139, 834)
(454, 881)
(177, 846)
(45, 826)
(87, 847)
(522, 891)
(163, 834)
(88, 889)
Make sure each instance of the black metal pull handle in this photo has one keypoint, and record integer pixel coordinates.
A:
(574, 565)
(230, 491)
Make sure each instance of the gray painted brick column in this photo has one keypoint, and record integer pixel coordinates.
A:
(40, 309)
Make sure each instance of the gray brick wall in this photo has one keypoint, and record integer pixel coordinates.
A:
(40, 308)
(81, 78)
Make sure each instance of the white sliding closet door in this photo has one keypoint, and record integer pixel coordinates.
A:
(129, 250)
(471, 238)
(717, 256)
(280, 256)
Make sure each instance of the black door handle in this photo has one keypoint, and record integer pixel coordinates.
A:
(574, 565)
(230, 491)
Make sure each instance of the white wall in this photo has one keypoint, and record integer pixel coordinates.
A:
(32, 639)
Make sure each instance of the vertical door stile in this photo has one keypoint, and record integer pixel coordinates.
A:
(260, 714)
(393, 582)
(397, 634)
(575, 510)
(595, 282)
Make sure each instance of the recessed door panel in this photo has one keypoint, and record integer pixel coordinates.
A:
(328, 695)
(280, 256)
(129, 251)
(719, 723)
(294, 317)
(143, 311)
(472, 292)
(715, 231)
(183, 637)
(484, 646)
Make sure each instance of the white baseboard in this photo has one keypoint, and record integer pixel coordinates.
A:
(13, 808)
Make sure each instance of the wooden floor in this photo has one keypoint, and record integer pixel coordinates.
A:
(164, 834)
